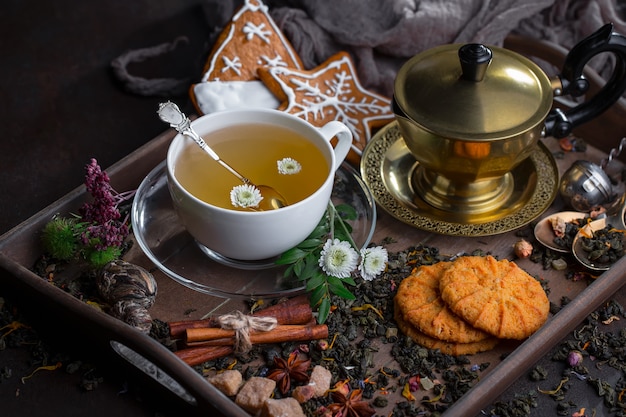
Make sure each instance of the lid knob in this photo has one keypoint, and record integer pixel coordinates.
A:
(475, 59)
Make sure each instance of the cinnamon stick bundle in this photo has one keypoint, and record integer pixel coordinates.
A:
(281, 333)
(206, 341)
(212, 349)
(293, 311)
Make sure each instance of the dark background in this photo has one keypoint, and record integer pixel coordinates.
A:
(60, 102)
(61, 106)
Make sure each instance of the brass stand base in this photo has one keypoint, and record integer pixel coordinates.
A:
(475, 197)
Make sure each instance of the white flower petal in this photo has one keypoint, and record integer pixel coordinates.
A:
(288, 166)
(338, 258)
(373, 262)
(246, 195)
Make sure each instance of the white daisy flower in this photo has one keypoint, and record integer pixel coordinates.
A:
(288, 166)
(246, 195)
(373, 262)
(338, 258)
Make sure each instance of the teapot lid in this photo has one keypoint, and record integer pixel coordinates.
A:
(473, 92)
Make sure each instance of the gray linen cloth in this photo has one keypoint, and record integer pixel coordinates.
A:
(382, 34)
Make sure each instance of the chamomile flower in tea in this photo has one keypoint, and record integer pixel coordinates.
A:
(245, 196)
(288, 166)
(373, 262)
(338, 258)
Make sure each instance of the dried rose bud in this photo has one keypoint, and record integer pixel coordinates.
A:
(414, 383)
(523, 249)
(574, 358)
(322, 344)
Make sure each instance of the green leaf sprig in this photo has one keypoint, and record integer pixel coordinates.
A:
(303, 260)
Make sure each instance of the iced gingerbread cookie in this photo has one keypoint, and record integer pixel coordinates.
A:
(330, 92)
(249, 41)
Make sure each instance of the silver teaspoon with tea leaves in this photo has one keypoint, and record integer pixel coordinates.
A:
(170, 113)
(597, 256)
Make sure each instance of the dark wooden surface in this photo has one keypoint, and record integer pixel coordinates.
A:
(61, 106)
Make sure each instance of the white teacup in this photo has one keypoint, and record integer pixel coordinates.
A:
(256, 235)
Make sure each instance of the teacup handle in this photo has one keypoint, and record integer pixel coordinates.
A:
(344, 140)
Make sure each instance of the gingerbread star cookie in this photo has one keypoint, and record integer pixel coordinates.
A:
(329, 92)
(249, 41)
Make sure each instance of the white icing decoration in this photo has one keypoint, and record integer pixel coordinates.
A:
(333, 96)
(277, 61)
(251, 30)
(218, 53)
(249, 7)
(215, 96)
(233, 64)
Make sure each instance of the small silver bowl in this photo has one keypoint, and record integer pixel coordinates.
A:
(585, 186)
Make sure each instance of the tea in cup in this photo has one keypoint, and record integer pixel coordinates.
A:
(268, 147)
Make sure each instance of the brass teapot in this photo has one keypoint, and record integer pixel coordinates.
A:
(471, 113)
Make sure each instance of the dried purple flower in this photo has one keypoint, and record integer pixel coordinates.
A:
(574, 358)
(105, 230)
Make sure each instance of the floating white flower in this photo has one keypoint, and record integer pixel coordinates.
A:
(288, 166)
(245, 196)
(373, 262)
(338, 258)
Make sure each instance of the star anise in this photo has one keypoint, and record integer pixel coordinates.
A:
(350, 404)
(294, 368)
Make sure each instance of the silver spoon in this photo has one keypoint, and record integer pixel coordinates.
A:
(170, 113)
(586, 185)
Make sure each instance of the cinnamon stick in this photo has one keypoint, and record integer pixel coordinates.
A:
(281, 333)
(293, 311)
(196, 355)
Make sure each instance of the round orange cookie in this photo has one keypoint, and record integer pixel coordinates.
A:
(495, 296)
(420, 304)
(449, 348)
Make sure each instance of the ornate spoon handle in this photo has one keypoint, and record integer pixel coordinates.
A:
(170, 113)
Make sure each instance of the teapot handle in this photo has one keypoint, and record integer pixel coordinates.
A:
(560, 123)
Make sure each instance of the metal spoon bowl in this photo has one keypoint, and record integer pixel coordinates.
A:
(616, 220)
(544, 233)
(170, 113)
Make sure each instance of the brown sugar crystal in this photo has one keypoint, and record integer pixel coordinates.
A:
(254, 393)
(228, 382)
(282, 408)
